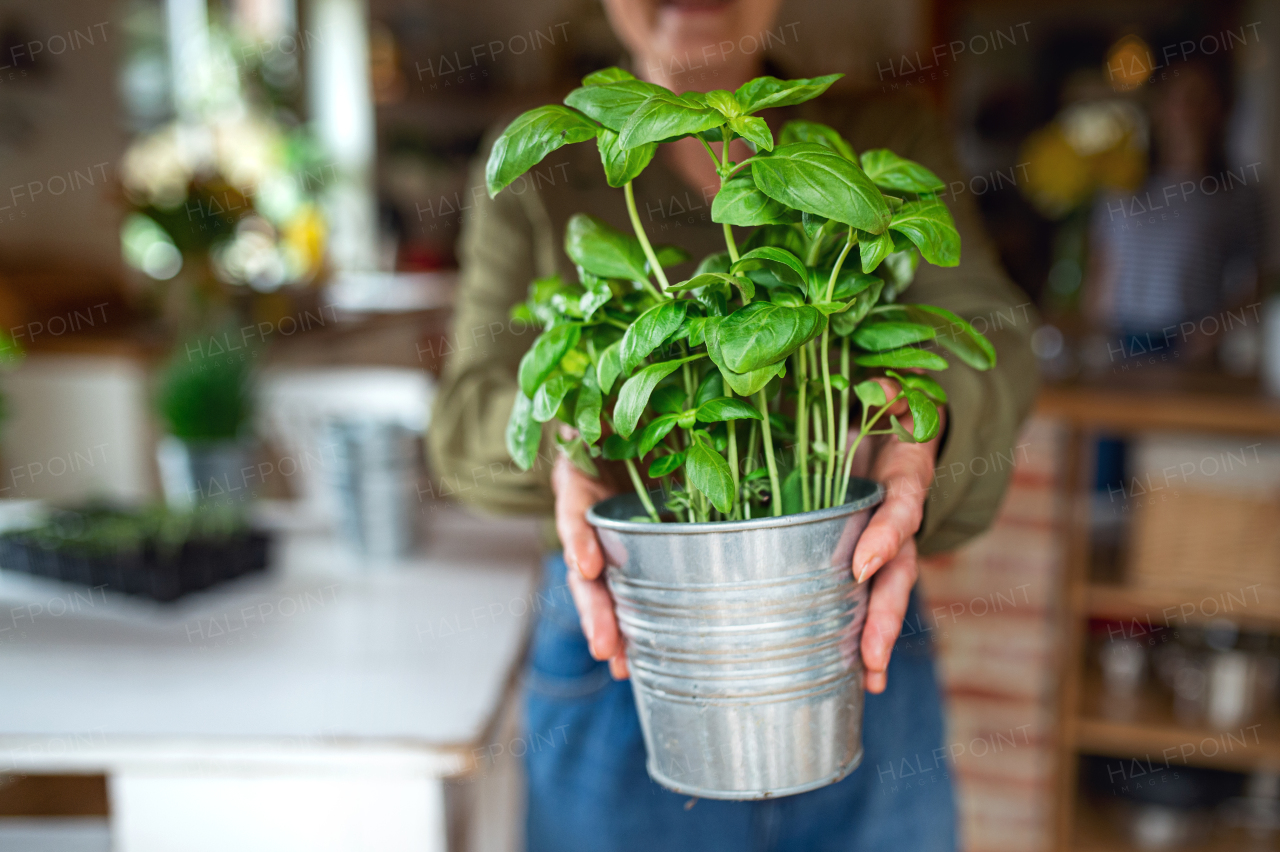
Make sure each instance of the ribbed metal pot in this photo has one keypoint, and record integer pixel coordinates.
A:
(743, 641)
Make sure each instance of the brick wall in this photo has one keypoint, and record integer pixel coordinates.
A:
(991, 606)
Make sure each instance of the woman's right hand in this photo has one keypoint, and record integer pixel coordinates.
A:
(575, 494)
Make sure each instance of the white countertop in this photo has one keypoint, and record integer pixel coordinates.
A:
(319, 652)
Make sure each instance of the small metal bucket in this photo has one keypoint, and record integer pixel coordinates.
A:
(743, 641)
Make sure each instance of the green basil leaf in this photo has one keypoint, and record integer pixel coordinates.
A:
(597, 295)
(697, 330)
(610, 366)
(763, 333)
(671, 255)
(787, 296)
(530, 138)
(663, 116)
(928, 224)
(612, 104)
(718, 262)
(649, 330)
(711, 387)
(813, 225)
(657, 429)
(579, 454)
(618, 448)
(603, 250)
(726, 408)
(634, 394)
(901, 431)
(870, 393)
(874, 248)
(545, 354)
(710, 474)
(925, 422)
(754, 130)
(908, 356)
(605, 76)
(816, 179)
(921, 383)
(666, 465)
(849, 283)
(839, 383)
(523, 432)
(793, 492)
(719, 281)
(844, 323)
(622, 165)
(880, 336)
(586, 415)
(686, 419)
(782, 263)
(812, 131)
(781, 236)
(743, 384)
(890, 171)
(724, 103)
(766, 92)
(546, 402)
(829, 308)
(740, 202)
(956, 336)
(669, 399)
(898, 270)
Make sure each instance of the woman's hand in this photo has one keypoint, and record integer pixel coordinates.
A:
(887, 548)
(575, 494)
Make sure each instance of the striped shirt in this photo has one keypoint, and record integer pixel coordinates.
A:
(1174, 246)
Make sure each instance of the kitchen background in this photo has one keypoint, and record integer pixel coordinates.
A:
(227, 244)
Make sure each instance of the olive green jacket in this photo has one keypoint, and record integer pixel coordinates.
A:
(510, 240)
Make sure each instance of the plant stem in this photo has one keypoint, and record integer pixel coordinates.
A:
(817, 473)
(723, 171)
(644, 239)
(866, 430)
(775, 489)
(732, 426)
(844, 418)
(802, 429)
(641, 490)
(829, 478)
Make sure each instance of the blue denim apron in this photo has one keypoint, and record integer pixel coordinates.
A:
(589, 791)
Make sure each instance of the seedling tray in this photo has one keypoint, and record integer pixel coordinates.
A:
(145, 567)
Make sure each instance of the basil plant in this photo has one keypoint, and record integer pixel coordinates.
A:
(735, 389)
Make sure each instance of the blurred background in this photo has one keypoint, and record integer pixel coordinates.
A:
(229, 583)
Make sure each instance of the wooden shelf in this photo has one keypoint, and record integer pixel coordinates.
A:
(1150, 731)
(1172, 607)
(1098, 830)
(1125, 408)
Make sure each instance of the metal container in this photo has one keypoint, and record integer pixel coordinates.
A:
(204, 472)
(743, 641)
(374, 473)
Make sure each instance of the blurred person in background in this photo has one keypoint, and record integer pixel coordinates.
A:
(592, 792)
(1184, 246)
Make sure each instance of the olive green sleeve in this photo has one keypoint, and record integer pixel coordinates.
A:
(985, 409)
(505, 244)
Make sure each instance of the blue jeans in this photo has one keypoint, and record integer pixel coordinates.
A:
(589, 791)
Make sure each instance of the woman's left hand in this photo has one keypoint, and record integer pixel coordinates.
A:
(886, 552)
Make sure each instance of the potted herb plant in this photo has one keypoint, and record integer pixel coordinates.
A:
(736, 400)
(204, 400)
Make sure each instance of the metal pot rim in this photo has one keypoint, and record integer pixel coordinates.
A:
(856, 484)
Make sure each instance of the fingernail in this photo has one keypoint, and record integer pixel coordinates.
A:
(868, 566)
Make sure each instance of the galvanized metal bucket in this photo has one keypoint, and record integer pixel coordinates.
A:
(743, 641)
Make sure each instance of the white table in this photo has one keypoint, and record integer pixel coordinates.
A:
(322, 706)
